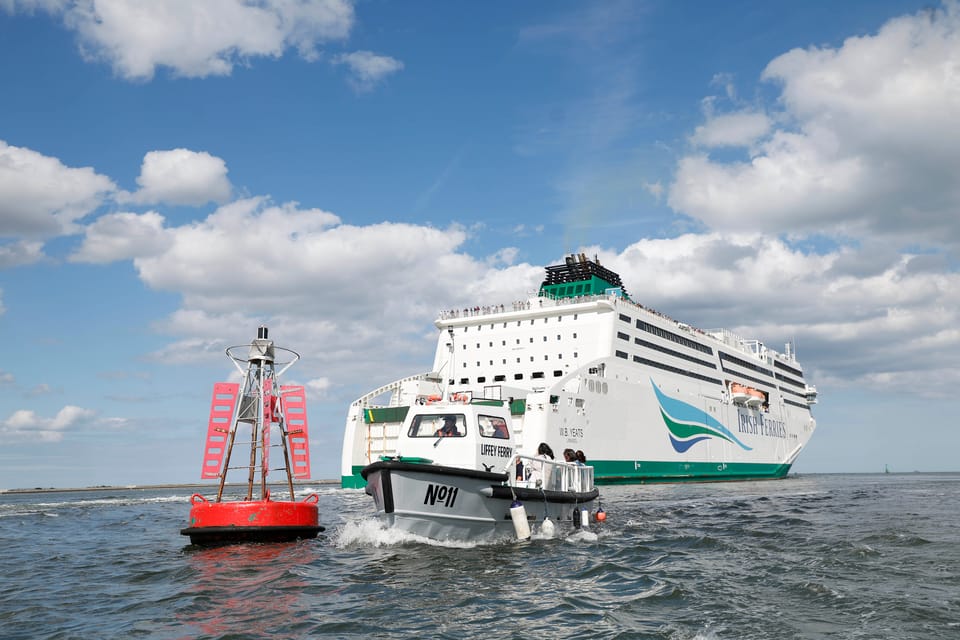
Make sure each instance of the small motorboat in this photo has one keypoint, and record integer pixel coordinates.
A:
(458, 474)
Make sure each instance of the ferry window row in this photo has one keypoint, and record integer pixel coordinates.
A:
(519, 322)
(532, 359)
(673, 337)
(743, 376)
(675, 354)
(557, 373)
(503, 343)
(783, 378)
(683, 372)
(788, 369)
(746, 365)
(454, 425)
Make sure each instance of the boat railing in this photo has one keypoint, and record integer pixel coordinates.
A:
(550, 475)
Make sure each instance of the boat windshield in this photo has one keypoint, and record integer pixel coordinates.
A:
(493, 427)
(438, 425)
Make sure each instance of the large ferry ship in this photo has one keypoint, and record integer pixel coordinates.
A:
(582, 366)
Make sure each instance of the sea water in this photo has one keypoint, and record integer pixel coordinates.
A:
(813, 556)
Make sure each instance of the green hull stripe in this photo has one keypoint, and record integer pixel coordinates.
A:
(354, 481)
(629, 472)
(641, 472)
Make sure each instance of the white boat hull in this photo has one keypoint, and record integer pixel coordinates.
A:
(446, 503)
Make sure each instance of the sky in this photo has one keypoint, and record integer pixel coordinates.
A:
(174, 174)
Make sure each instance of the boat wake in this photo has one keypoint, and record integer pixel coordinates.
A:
(369, 532)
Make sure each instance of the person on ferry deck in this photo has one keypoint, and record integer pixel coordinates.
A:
(581, 459)
(449, 427)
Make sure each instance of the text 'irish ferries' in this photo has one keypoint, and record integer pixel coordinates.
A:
(758, 425)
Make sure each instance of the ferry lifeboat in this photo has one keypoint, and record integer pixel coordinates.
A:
(756, 399)
(738, 393)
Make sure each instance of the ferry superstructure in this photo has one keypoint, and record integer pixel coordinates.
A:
(582, 366)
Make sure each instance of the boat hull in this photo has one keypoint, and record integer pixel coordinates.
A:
(448, 503)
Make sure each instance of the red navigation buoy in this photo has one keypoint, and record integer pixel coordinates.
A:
(261, 407)
(215, 523)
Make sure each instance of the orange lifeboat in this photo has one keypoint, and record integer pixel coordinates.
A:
(738, 392)
(757, 397)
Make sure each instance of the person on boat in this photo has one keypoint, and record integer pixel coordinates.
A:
(569, 456)
(581, 459)
(536, 469)
(449, 427)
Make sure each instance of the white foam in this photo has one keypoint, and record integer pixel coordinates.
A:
(582, 535)
(371, 532)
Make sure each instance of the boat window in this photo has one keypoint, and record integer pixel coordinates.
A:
(493, 427)
(433, 425)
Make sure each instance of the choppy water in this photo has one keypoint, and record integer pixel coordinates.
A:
(820, 556)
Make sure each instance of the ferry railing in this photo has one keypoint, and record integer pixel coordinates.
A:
(550, 475)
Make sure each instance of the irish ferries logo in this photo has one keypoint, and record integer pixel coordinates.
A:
(688, 425)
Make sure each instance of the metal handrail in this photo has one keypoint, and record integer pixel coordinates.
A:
(549, 475)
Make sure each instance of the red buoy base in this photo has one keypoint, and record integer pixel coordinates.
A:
(220, 523)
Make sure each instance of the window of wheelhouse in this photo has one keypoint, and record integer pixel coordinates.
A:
(493, 427)
(436, 425)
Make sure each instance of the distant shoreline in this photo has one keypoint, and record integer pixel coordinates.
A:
(129, 487)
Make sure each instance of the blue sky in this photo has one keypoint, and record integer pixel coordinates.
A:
(173, 174)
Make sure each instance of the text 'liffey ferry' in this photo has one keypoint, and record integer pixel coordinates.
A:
(582, 366)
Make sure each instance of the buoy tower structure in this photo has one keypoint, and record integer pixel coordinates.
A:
(273, 416)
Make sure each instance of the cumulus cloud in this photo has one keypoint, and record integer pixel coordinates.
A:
(41, 197)
(19, 253)
(732, 129)
(866, 141)
(367, 69)
(25, 424)
(181, 177)
(324, 288)
(196, 39)
(318, 387)
(122, 236)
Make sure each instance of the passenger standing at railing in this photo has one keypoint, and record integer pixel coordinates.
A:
(535, 470)
(581, 459)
